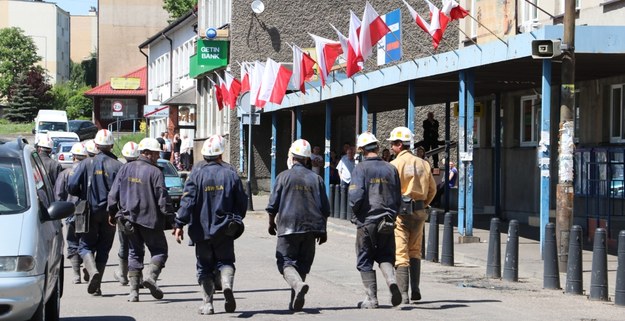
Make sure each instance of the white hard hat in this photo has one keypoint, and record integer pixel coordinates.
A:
(90, 147)
(300, 147)
(45, 142)
(365, 138)
(104, 138)
(150, 144)
(78, 149)
(401, 133)
(130, 150)
(213, 146)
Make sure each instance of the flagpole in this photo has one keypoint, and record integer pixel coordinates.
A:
(470, 38)
(483, 26)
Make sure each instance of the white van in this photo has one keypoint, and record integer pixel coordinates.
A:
(50, 120)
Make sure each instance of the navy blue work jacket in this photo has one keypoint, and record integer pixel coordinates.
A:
(53, 168)
(93, 178)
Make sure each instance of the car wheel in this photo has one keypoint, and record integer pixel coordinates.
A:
(53, 306)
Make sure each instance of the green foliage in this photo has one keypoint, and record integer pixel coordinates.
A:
(18, 54)
(28, 94)
(177, 8)
(123, 139)
(8, 128)
(69, 95)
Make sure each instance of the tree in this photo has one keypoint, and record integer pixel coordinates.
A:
(18, 54)
(23, 102)
(177, 8)
(69, 95)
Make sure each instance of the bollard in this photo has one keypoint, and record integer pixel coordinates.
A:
(432, 248)
(336, 212)
(331, 199)
(447, 256)
(619, 295)
(574, 272)
(250, 204)
(599, 274)
(511, 266)
(493, 265)
(343, 212)
(551, 273)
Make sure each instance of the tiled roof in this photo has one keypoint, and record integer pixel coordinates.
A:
(106, 90)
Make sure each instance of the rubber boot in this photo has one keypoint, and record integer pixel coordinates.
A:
(121, 274)
(227, 279)
(94, 283)
(208, 288)
(134, 277)
(217, 281)
(402, 282)
(300, 288)
(150, 281)
(389, 275)
(85, 275)
(100, 267)
(371, 289)
(415, 277)
(76, 261)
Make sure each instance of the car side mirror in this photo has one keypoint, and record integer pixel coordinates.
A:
(60, 210)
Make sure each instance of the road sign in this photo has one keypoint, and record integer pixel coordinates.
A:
(117, 108)
(155, 111)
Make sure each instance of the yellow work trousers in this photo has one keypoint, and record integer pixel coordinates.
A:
(409, 237)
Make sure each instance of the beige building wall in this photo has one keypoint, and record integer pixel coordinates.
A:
(84, 36)
(123, 25)
(4, 14)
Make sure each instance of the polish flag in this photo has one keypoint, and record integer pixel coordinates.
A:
(343, 40)
(220, 92)
(437, 25)
(354, 57)
(453, 10)
(233, 88)
(256, 75)
(372, 30)
(245, 78)
(274, 83)
(327, 52)
(302, 68)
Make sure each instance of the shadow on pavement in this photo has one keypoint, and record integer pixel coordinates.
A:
(101, 318)
(262, 290)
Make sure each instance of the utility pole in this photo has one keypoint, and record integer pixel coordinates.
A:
(564, 189)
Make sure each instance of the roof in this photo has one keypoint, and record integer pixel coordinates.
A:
(186, 97)
(169, 27)
(106, 90)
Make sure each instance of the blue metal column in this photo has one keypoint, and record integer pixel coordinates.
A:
(462, 148)
(543, 150)
(274, 139)
(497, 162)
(447, 152)
(364, 116)
(326, 170)
(298, 122)
(469, 166)
(412, 98)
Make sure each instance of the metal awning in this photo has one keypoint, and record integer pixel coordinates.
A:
(186, 97)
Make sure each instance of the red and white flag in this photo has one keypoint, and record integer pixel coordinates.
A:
(372, 30)
(354, 57)
(342, 40)
(275, 82)
(256, 76)
(327, 51)
(437, 25)
(452, 9)
(220, 92)
(245, 77)
(302, 68)
(233, 87)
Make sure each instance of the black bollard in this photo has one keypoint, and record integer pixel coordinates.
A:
(432, 248)
(551, 273)
(574, 279)
(511, 266)
(619, 295)
(343, 212)
(447, 256)
(493, 265)
(336, 211)
(331, 199)
(250, 204)
(599, 274)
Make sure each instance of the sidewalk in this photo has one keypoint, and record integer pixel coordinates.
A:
(530, 262)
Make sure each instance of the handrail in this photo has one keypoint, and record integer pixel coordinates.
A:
(121, 121)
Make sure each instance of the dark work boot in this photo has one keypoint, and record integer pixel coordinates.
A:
(371, 289)
(388, 270)
(76, 261)
(134, 277)
(208, 288)
(150, 282)
(121, 273)
(415, 277)
(94, 283)
(401, 274)
(100, 267)
(227, 279)
(294, 279)
(217, 280)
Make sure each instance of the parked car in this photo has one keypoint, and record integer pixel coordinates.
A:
(31, 236)
(63, 154)
(83, 128)
(173, 181)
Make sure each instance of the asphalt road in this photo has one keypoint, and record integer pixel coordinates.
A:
(449, 293)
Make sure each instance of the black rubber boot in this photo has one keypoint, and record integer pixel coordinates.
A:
(134, 277)
(208, 289)
(371, 289)
(94, 282)
(76, 261)
(150, 282)
(389, 275)
(101, 267)
(300, 288)
(401, 274)
(227, 279)
(415, 277)
(121, 273)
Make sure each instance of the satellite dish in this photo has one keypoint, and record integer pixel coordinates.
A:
(258, 6)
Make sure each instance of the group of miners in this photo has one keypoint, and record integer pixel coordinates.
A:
(388, 201)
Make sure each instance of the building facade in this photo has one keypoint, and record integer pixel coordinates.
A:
(84, 36)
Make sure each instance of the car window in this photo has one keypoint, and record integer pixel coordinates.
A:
(13, 198)
(168, 169)
(66, 148)
(57, 141)
(73, 126)
(42, 181)
(52, 126)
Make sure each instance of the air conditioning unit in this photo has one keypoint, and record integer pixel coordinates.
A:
(176, 85)
(530, 25)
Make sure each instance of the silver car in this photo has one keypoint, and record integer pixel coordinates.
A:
(63, 154)
(31, 236)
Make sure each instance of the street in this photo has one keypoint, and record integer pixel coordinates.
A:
(449, 293)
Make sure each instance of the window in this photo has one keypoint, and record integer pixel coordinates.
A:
(530, 120)
(473, 26)
(617, 117)
(530, 13)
